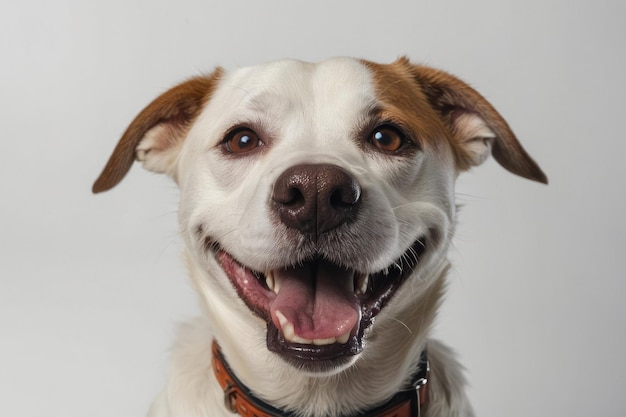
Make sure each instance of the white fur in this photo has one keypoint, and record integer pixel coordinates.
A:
(306, 113)
(476, 135)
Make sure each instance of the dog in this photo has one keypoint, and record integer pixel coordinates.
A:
(316, 208)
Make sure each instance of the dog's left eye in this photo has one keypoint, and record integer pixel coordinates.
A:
(241, 141)
(387, 138)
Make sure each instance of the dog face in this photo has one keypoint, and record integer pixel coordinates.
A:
(317, 200)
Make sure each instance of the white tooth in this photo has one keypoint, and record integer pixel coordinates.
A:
(343, 339)
(363, 281)
(298, 339)
(322, 342)
(276, 284)
(281, 318)
(269, 280)
(288, 331)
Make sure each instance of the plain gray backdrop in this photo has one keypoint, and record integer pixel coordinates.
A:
(92, 287)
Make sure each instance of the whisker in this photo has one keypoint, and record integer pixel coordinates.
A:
(408, 329)
(406, 204)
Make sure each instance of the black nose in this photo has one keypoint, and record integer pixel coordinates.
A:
(316, 198)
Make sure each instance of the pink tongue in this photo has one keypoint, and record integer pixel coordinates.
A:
(315, 298)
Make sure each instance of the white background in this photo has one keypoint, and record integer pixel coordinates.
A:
(91, 287)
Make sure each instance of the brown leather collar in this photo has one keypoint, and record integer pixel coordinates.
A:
(239, 399)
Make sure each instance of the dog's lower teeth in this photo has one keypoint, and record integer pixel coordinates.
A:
(286, 328)
(323, 342)
(289, 334)
(298, 339)
(343, 339)
(288, 331)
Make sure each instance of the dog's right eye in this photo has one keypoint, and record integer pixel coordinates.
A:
(241, 140)
(387, 138)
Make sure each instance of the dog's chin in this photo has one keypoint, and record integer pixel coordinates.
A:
(318, 312)
(311, 359)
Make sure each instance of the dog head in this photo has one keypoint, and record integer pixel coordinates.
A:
(317, 198)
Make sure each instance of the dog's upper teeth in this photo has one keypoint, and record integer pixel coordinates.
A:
(277, 282)
(272, 281)
(269, 280)
(361, 281)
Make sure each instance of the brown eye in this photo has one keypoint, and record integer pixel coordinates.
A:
(241, 141)
(387, 138)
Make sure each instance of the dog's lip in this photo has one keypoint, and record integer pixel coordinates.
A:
(372, 292)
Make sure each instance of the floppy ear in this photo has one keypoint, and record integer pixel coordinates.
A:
(479, 130)
(157, 133)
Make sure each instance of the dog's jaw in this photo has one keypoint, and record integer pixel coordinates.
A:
(318, 313)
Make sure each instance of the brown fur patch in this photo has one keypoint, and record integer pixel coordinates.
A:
(403, 102)
(432, 97)
(177, 107)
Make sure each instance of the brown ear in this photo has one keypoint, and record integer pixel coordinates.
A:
(158, 131)
(479, 129)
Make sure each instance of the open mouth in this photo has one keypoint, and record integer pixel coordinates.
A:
(317, 312)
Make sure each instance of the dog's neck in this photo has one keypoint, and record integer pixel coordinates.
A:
(239, 399)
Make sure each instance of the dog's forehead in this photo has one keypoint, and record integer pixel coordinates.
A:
(290, 78)
(283, 91)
